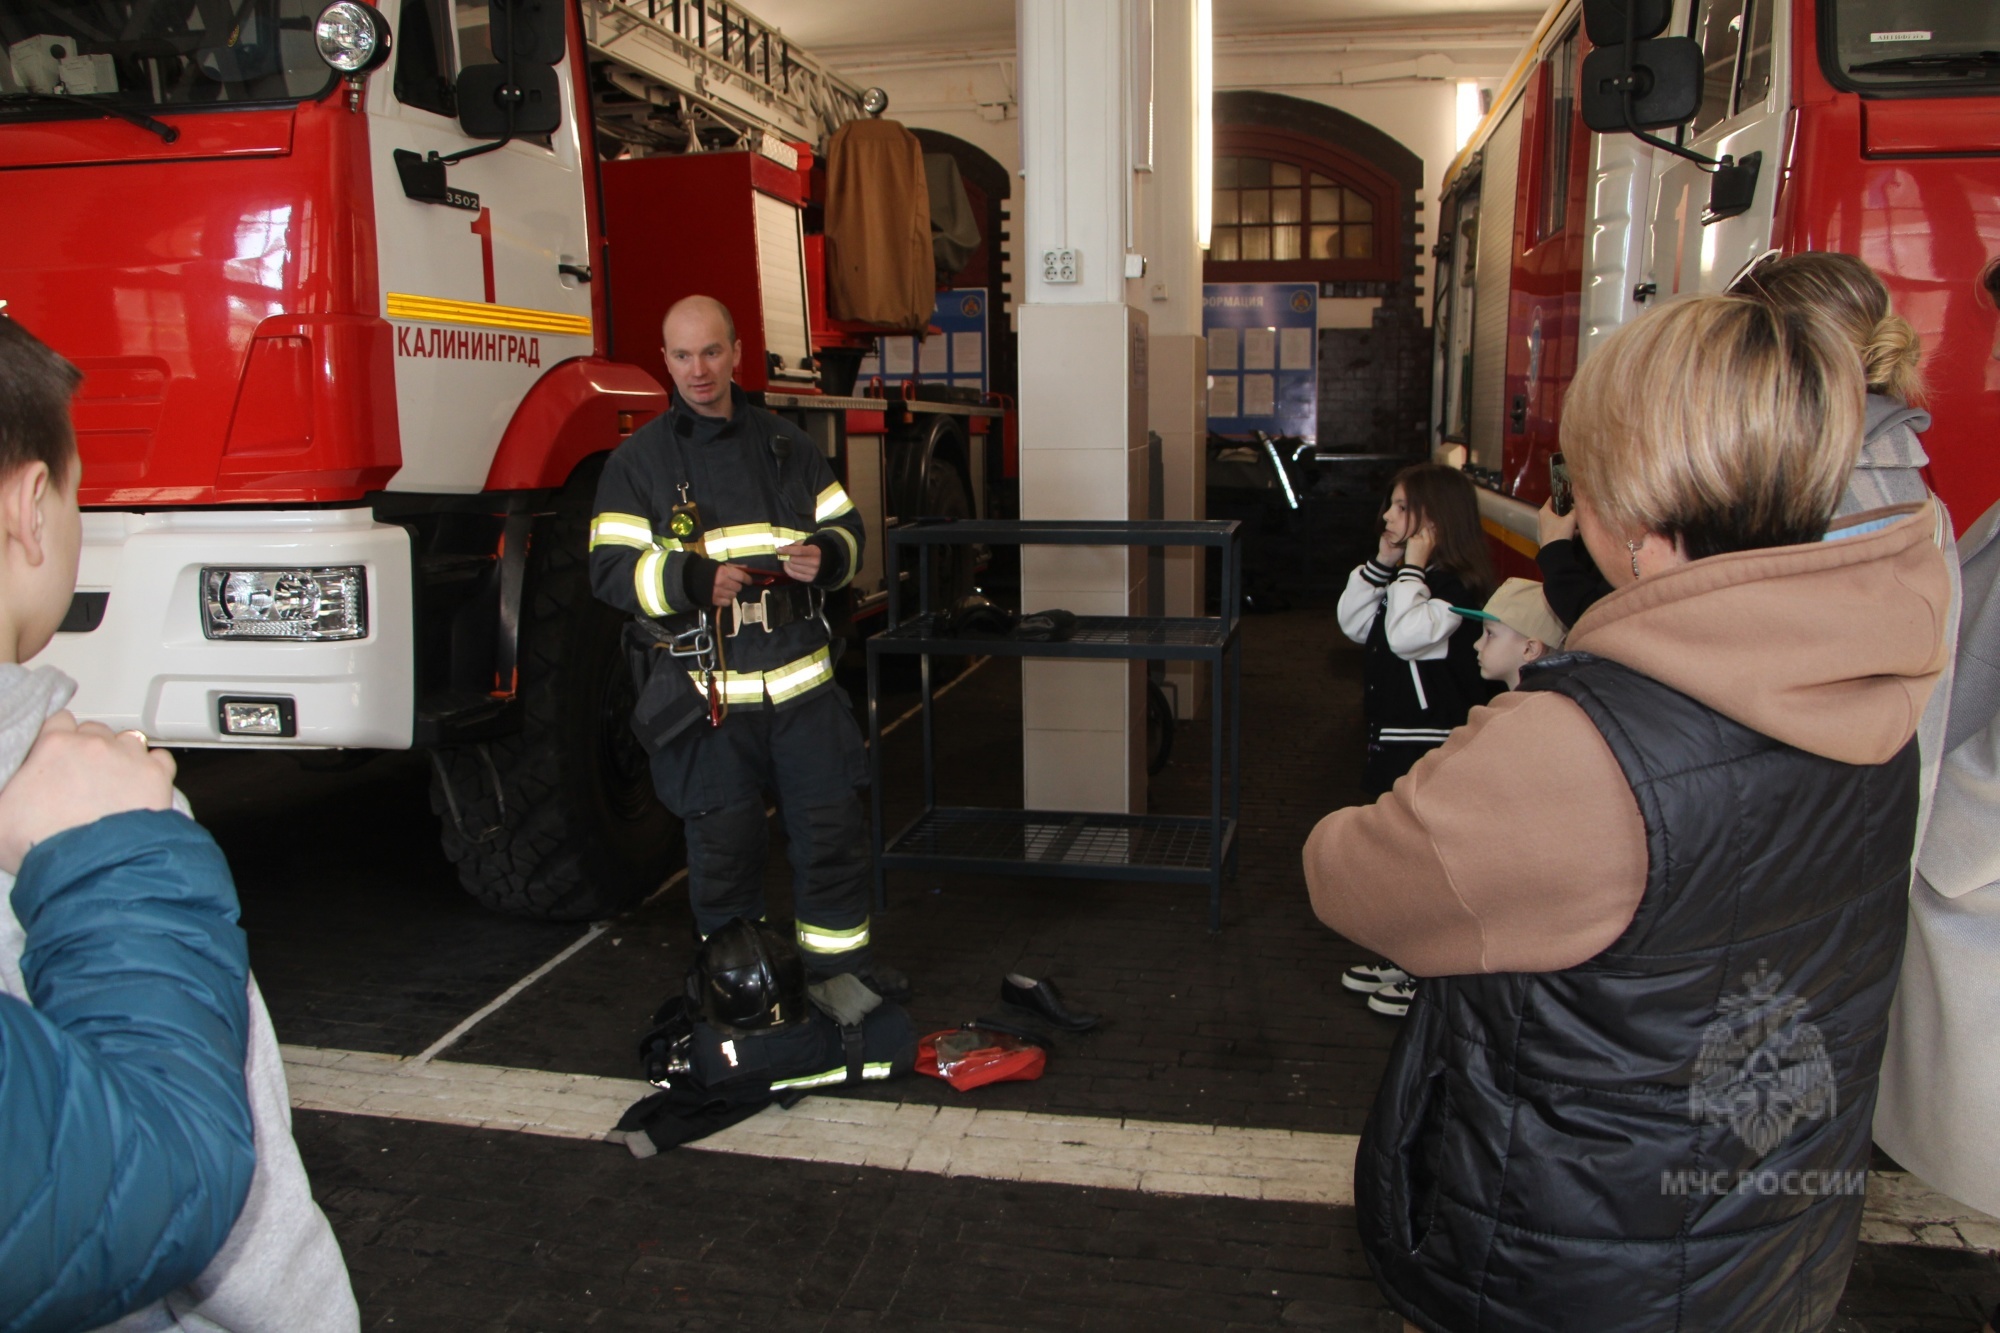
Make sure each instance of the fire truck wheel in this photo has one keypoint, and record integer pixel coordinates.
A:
(953, 568)
(560, 821)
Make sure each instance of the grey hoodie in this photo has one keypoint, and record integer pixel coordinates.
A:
(280, 1270)
(1890, 472)
(1890, 469)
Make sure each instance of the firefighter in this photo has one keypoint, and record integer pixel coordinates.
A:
(721, 528)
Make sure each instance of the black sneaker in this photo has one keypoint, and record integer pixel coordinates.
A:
(1367, 978)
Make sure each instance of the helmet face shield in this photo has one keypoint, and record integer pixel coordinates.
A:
(749, 977)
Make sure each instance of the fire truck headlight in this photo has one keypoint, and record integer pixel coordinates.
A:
(351, 36)
(309, 605)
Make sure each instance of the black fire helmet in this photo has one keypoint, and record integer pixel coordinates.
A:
(748, 976)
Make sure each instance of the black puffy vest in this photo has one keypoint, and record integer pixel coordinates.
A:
(1674, 1134)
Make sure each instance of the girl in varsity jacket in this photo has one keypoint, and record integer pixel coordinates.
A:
(1421, 677)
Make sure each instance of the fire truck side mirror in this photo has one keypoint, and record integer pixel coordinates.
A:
(1635, 79)
(1662, 77)
(531, 30)
(493, 106)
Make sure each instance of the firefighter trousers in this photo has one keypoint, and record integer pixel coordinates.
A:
(810, 757)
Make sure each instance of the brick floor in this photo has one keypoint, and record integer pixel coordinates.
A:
(362, 940)
(464, 1229)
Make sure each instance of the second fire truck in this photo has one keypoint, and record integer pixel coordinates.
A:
(1869, 127)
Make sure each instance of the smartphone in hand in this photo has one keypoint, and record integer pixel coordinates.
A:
(1561, 498)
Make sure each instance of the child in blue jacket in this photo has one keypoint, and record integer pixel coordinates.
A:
(150, 1176)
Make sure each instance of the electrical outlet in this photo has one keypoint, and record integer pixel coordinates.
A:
(1060, 265)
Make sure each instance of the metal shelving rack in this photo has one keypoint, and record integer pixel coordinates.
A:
(1187, 849)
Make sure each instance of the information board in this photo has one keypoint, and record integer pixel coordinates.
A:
(954, 352)
(1263, 371)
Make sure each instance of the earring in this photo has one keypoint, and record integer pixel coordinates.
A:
(1633, 548)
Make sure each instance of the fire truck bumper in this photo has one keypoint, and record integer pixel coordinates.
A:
(165, 660)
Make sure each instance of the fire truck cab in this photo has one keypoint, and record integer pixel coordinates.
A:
(363, 297)
(1872, 129)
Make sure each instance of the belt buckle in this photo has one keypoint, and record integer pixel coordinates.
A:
(752, 613)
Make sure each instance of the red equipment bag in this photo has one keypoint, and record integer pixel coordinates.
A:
(971, 1057)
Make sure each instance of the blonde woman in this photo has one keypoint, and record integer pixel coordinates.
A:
(1841, 294)
(1845, 296)
(1936, 1114)
(1657, 894)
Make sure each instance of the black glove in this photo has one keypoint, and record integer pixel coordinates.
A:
(832, 559)
(698, 579)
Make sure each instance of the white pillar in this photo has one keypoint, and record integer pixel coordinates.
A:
(1084, 387)
(1171, 296)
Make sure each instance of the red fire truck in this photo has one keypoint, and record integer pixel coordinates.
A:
(1870, 127)
(358, 328)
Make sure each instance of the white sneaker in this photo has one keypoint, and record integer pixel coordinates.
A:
(1394, 998)
(1367, 978)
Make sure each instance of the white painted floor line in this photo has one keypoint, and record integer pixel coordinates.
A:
(499, 1001)
(1148, 1156)
(493, 1005)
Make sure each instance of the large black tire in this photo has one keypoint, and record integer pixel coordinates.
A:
(1160, 723)
(954, 569)
(560, 821)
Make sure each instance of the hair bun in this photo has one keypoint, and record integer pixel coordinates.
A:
(1890, 358)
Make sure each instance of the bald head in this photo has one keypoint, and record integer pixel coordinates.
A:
(699, 342)
(705, 309)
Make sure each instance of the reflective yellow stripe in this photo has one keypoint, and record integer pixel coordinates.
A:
(811, 1080)
(795, 678)
(853, 554)
(610, 529)
(875, 1069)
(737, 686)
(734, 543)
(832, 503)
(782, 683)
(825, 939)
(443, 310)
(747, 539)
(648, 580)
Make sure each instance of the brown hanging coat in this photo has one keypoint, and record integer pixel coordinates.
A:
(879, 268)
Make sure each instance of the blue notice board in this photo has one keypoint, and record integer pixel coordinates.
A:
(955, 352)
(1263, 357)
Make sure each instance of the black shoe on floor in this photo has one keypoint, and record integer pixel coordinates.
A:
(1041, 999)
(887, 982)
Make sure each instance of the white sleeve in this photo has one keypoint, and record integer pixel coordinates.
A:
(1419, 626)
(1961, 851)
(1360, 598)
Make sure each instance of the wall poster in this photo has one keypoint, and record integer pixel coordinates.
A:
(1262, 362)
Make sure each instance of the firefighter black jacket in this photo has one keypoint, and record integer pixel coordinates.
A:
(756, 483)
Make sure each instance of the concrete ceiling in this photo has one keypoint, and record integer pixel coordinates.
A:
(930, 24)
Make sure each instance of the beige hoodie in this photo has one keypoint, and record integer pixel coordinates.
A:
(1517, 846)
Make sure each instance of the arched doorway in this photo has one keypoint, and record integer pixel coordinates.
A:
(986, 185)
(1308, 193)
